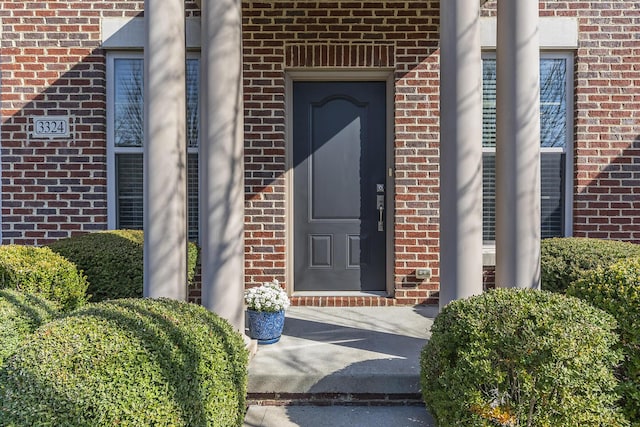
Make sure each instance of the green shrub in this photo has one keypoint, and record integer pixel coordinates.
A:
(128, 362)
(42, 272)
(113, 262)
(616, 289)
(564, 260)
(521, 358)
(20, 315)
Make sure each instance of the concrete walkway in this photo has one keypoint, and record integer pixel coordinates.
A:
(342, 366)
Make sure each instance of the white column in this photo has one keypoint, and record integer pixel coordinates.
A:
(460, 150)
(221, 161)
(518, 145)
(165, 151)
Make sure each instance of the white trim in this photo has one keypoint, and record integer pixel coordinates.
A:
(390, 192)
(554, 33)
(126, 150)
(328, 74)
(112, 213)
(382, 75)
(129, 33)
(569, 149)
(542, 149)
(289, 271)
(111, 174)
(488, 255)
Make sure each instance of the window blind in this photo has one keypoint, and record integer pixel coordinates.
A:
(129, 191)
(130, 196)
(553, 158)
(128, 136)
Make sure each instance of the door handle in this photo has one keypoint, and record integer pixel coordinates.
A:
(380, 206)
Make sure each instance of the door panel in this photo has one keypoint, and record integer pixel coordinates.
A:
(339, 150)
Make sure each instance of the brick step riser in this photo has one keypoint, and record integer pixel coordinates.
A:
(334, 399)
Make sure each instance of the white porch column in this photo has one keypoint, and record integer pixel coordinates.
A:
(460, 150)
(518, 145)
(221, 161)
(165, 151)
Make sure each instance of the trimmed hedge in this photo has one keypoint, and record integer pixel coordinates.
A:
(113, 261)
(129, 362)
(40, 271)
(515, 357)
(20, 315)
(616, 290)
(566, 259)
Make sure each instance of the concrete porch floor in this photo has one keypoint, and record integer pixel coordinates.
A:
(342, 366)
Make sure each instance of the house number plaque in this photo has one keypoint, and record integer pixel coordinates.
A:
(50, 127)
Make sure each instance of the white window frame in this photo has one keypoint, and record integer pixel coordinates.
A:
(112, 150)
(568, 150)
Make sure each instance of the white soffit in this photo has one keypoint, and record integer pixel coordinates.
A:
(555, 33)
(128, 33)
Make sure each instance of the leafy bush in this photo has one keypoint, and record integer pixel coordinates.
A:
(515, 357)
(113, 261)
(564, 260)
(616, 289)
(130, 362)
(20, 315)
(42, 272)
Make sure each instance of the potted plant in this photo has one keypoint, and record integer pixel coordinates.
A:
(265, 311)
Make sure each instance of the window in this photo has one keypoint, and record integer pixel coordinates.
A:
(555, 145)
(125, 137)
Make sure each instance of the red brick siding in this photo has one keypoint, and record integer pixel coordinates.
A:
(348, 35)
(51, 63)
(345, 301)
(607, 117)
(606, 195)
(607, 96)
(50, 66)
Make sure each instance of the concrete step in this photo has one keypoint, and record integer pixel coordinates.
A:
(342, 367)
(338, 416)
(344, 354)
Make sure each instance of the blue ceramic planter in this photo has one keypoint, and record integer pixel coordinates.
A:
(265, 327)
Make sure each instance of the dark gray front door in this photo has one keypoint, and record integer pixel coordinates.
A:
(339, 134)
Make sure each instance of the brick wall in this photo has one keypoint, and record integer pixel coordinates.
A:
(52, 64)
(331, 34)
(607, 163)
(401, 36)
(607, 116)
